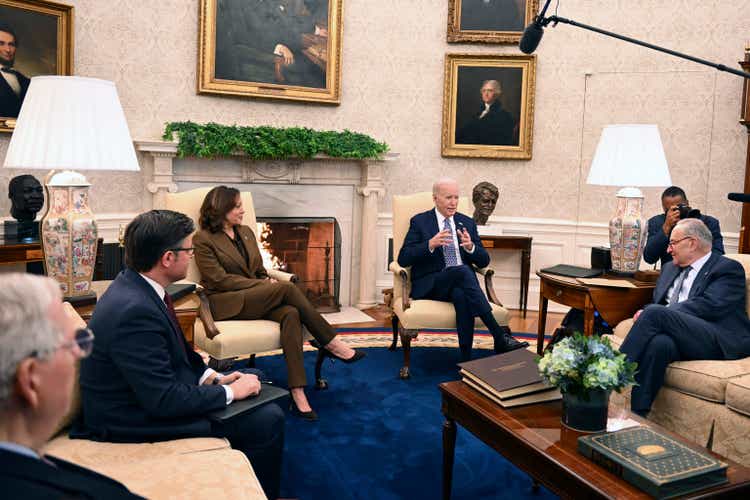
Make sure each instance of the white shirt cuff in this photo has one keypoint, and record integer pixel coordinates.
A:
(474, 247)
(206, 374)
(230, 393)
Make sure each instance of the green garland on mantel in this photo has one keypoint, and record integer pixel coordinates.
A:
(211, 140)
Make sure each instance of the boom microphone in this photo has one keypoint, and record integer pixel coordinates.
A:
(532, 35)
(741, 197)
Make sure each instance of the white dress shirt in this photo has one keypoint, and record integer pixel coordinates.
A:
(160, 291)
(12, 80)
(687, 284)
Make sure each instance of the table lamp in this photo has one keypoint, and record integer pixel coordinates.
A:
(629, 155)
(70, 123)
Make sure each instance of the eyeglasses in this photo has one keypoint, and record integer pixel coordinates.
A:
(673, 243)
(83, 343)
(190, 250)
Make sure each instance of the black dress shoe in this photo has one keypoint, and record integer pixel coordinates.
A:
(310, 416)
(357, 354)
(510, 344)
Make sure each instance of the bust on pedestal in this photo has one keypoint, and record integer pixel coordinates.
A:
(27, 198)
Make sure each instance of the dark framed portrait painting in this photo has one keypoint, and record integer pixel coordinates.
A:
(36, 38)
(277, 49)
(489, 21)
(488, 106)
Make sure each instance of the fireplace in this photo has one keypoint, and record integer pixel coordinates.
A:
(309, 247)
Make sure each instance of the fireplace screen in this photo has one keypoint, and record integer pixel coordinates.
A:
(309, 247)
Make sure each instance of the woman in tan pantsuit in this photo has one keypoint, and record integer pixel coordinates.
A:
(238, 287)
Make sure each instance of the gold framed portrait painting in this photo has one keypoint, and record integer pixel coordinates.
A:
(36, 38)
(276, 49)
(488, 106)
(489, 21)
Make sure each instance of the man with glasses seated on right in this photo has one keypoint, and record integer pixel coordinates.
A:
(676, 207)
(698, 312)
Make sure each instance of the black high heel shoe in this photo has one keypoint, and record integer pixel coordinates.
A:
(357, 354)
(310, 416)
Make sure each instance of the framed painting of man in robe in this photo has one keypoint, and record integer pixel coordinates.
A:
(277, 49)
(488, 106)
(489, 21)
(36, 38)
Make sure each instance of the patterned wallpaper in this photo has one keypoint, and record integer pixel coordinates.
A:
(392, 89)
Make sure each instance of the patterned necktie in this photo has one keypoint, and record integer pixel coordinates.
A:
(173, 315)
(674, 298)
(449, 251)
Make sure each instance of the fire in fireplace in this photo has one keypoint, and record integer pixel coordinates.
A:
(309, 247)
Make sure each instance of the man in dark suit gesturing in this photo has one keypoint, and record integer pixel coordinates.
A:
(440, 247)
(143, 382)
(40, 347)
(698, 312)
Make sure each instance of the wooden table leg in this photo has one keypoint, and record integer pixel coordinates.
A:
(525, 272)
(588, 317)
(449, 448)
(542, 321)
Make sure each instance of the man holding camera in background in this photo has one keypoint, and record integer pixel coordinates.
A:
(676, 207)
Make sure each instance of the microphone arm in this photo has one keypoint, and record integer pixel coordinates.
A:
(720, 67)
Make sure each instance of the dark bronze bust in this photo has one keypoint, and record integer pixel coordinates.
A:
(26, 197)
(484, 196)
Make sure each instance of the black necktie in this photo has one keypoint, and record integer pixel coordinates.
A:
(173, 315)
(9, 70)
(674, 298)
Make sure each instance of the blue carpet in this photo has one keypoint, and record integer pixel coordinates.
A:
(380, 437)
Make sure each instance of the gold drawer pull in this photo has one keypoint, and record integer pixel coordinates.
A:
(558, 293)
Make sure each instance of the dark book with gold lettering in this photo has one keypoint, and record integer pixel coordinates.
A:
(653, 461)
(509, 379)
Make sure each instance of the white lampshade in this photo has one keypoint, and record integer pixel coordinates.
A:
(630, 155)
(72, 123)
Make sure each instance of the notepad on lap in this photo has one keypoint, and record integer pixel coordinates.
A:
(268, 393)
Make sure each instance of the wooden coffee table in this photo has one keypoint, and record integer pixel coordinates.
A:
(533, 439)
(614, 304)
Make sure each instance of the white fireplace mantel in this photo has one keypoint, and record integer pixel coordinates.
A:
(366, 176)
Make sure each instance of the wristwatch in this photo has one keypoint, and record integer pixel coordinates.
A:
(216, 380)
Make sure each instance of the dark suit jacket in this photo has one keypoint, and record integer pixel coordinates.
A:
(716, 296)
(10, 103)
(496, 128)
(657, 241)
(141, 381)
(28, 478)
(224, 273)
(415, 251)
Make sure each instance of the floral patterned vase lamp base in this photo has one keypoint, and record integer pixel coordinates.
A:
(629, 155)
(70, 123)
(69, 235)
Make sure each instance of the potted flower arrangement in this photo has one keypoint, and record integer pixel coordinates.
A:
(586, 370)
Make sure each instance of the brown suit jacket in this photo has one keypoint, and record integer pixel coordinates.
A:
(224, 273)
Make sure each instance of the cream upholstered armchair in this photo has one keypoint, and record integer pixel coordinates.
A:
(224, 341)
(410, 316)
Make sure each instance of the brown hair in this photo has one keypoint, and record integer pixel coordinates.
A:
(216, 205)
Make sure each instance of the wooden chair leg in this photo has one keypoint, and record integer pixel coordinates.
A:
(394, 327)
(406, 337)
(251, 361)
(321, 384)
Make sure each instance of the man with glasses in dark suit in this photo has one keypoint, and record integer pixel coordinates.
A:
(698, 312)
(39, 349)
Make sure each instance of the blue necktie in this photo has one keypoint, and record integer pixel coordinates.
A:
(674, 298)
(449, 251)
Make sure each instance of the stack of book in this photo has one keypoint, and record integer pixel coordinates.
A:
(509, 379)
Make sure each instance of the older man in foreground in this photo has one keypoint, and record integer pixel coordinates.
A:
(39, 348)
(698, 312)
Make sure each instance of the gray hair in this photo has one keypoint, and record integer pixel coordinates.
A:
(698, 230)
(441, 182)
(495, 84)
(25, 324)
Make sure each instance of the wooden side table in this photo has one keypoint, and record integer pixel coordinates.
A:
(14, 251)
(522, 243)
(614, 304)
(186, 308)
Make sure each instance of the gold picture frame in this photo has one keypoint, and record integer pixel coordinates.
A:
(42, 33)
(489, 21)
(279, 49)
(488, 106)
